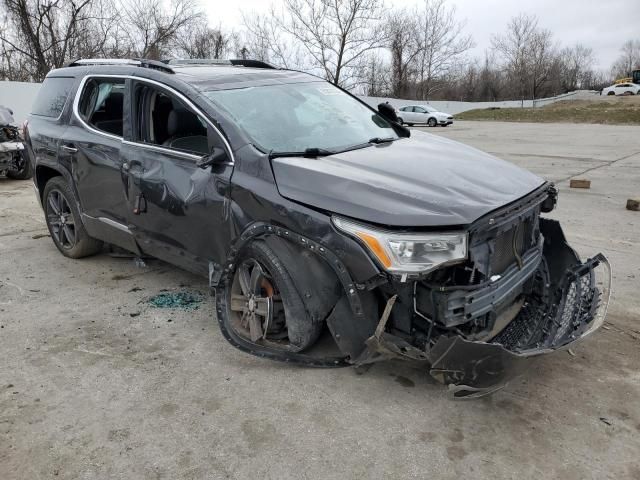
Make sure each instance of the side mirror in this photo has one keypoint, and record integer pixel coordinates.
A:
(217, 156)
(388, 112)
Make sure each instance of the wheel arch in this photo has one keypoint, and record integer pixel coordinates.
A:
(354, 302)
(43, 174)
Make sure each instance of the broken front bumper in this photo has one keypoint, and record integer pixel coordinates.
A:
(572, 306)
(475, 368)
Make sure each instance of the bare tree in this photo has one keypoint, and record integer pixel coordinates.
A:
(336, 34)
(153, 28)
(45, 34)
(263, 39)
(403, 44)
(541, 57)
(527, 52)
(375, 76)
(442, 44)
(202, 41)
(628, 60)
(577, 66)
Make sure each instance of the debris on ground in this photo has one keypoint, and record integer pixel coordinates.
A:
(40, 235)
(183, 300)
(606, 421)
(139, 262)
(633, 204)
(579, 183)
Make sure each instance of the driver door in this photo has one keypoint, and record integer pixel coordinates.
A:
(176, 208)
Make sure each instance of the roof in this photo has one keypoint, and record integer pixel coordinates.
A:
(202, 74)
(226, 77)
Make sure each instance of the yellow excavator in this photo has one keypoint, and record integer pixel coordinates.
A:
(634, 78)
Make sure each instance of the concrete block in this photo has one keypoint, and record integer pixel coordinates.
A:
(579, 183)
(633, 204)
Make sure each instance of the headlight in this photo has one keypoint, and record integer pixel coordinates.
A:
(408, 252)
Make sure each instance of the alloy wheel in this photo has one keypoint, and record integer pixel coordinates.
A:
(60, 219)
(256, 306)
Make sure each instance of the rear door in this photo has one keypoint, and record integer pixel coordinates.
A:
(176, 209)
(92, 142)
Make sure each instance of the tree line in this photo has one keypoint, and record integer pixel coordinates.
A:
(422, 52)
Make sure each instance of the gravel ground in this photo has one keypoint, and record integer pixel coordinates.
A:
(97, 384)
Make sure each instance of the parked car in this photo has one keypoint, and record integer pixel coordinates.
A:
(621, 89)
(13, 161)
(313, 216)
(423, 114)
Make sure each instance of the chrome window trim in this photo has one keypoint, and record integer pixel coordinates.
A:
(184, 99)
(159, 148)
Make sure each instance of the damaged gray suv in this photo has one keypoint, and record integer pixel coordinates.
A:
(330, 233)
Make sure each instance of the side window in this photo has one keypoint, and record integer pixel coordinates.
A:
(52, 96)
(164, 120)
(419, 110)
(102, 103)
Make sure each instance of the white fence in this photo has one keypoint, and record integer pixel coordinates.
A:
(454, 107)
(19, 97)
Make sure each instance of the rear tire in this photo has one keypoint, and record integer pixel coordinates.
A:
(64, 221)
(26, 170)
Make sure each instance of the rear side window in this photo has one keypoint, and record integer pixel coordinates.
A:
(101, 104)
(52, 96)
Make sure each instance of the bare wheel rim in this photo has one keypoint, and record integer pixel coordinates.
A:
(60, 219)
(257, 310)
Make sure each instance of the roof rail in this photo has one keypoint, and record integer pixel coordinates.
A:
(217, 61)
(247, 62)
(136, 62)
(197, 61)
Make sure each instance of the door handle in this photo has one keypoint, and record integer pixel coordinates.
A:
(125, 166)
(69, 148)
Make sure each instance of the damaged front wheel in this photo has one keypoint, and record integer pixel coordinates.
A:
(262, 306)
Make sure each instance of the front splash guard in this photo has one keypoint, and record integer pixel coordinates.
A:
(473, 369)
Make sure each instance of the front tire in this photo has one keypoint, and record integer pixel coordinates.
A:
(610, 93)
(259, 305)
(432, 122)
(400, 121)
(64, 222)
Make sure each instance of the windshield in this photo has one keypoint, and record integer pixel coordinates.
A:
(299, 116)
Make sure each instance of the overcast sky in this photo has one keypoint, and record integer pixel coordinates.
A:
(603, 25)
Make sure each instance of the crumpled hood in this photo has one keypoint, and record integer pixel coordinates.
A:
(424, 180)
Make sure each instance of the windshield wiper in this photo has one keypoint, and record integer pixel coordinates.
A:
(308, 153)
(382, 139)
